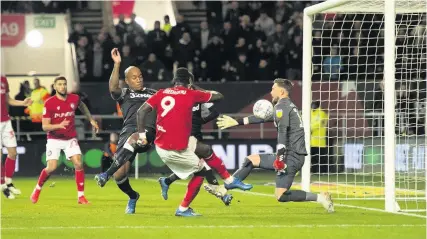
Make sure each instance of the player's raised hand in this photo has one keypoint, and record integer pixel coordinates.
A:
(28, 101)
(226, 121)
(94, 125)
(64, 124)
(115, 55)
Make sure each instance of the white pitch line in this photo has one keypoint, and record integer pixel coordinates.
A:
(335, 204)
(215, 227)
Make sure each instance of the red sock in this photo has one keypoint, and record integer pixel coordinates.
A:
(216, 163)
(193, 189)
(80, 181)
(2, 174)
(44, 176)
(9, 168)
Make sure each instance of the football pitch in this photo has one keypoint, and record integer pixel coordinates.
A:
(254, 214)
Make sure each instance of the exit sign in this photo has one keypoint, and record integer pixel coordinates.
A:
(44, 22)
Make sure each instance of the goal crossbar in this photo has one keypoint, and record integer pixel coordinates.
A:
(365, 6)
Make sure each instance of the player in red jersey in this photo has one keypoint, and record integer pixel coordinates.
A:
(8, 139)
(173, 142)
(58, 122)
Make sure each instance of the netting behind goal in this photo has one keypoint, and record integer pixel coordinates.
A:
(347, 80)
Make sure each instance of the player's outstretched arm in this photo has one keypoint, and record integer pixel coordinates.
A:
(216, 96)
(13, 102)
(113, 84)
(212, 113)
(85, 110)
(226, 121)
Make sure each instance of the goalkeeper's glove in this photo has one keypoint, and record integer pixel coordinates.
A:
(226, 121)
(280, 162)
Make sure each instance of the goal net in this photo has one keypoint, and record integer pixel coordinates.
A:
(348, 78)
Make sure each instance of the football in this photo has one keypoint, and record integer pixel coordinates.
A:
(263, 109)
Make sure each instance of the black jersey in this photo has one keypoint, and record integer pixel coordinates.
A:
(200, 111)
(289, 126)
(130, 101)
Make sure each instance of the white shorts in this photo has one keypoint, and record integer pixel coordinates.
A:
(183, 163)
(7, 138)
(54, 146)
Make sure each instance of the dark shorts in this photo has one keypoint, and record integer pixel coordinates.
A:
(294, 164)
(128, 131)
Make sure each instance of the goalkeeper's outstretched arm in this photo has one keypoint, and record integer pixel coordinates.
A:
(226, 121)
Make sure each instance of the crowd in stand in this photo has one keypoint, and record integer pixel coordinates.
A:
(252, 41)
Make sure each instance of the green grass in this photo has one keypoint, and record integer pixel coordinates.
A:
(252, 215)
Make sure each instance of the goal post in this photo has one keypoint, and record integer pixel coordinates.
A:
(365, 62)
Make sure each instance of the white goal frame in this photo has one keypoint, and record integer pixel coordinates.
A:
(389, 8)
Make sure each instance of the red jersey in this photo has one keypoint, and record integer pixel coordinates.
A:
(174, 115)
(58, 110)
(3, 100)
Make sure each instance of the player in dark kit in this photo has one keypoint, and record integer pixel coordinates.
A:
(202, 114)
(291, 150)
(129, 99)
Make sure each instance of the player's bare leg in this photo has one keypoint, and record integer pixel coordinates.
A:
(80, 178)
(44, 176)
(212, 160)
(285, 195)
(122, 181)
(212, 187)
(9, 166)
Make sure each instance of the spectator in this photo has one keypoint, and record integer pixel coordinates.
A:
(178, 30)
(213, 14)
(265, 23)
(121, 27)
(240, 48)
(242, 69)
(79, 31)
(278, 38)
(233, 14)
(117, 42)
(153, 69)
(332, 65)
(202, 72)
(264, 71)
(295, 59)
(139, 50)
(184, 52)
(319, 149)
(167, 25)
(99, 62)
(157, 41)
(258, 53)
(281, 12)
(127, 60)
(135, 27)
(246, 30)
(213, 58)
(203, 38)
(38, 95)
(229, 37)
(83, 58)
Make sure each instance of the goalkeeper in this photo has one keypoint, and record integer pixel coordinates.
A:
(291, 151)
